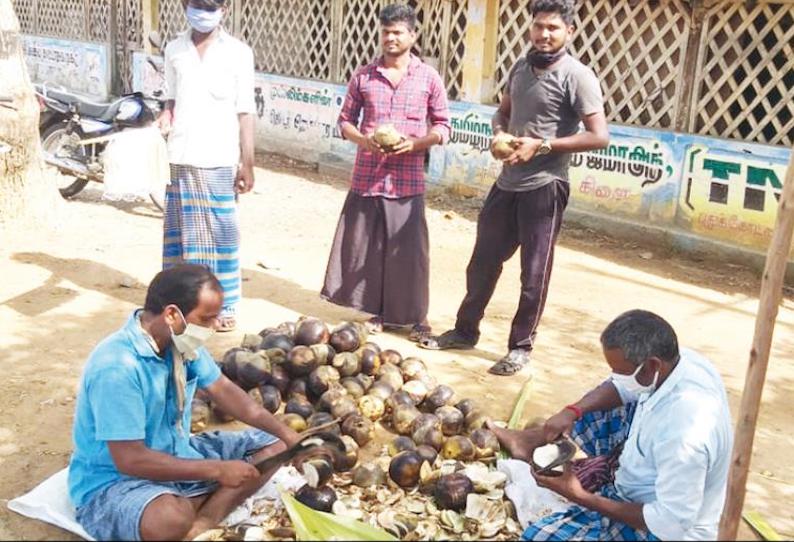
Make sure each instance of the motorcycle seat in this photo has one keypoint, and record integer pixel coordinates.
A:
(104, 112)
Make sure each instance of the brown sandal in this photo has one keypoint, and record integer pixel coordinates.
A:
(227, 323)
(420, 332)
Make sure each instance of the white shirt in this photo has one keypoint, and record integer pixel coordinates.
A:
(209, 93)
(676, 458)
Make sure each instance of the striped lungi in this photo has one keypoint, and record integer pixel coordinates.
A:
(599, 435)
(201, 225)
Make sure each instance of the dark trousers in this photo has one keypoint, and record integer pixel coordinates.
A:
(380, 259)
(509, 220)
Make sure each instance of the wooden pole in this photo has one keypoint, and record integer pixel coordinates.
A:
(771, 294)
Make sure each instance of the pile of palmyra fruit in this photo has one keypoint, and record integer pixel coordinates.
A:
(419, 461)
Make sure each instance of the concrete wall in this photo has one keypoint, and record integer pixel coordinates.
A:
(76, 65)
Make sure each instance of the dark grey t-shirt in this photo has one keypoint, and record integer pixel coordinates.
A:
(549, 105)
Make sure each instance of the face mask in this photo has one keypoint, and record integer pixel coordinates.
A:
(632, 385)
(189, 341)
(544, 60)
(204, 21)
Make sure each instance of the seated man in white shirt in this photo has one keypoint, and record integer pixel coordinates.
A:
(661, 424)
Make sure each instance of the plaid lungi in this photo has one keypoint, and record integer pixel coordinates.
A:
(201, 225)
(597, 434)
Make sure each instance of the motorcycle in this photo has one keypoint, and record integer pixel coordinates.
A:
(75, 131)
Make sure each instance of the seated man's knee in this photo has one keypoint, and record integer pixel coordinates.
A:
(168, 517)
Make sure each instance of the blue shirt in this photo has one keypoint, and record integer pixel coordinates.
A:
(676, 458)
(127, 393)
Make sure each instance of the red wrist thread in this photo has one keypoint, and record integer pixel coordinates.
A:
(575, 409)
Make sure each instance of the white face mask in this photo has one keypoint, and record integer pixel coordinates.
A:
(204, 21)
(189, 341)
(632, 385)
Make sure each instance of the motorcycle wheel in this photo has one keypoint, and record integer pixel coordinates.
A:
(53, 139)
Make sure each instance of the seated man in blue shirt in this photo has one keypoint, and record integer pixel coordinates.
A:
(663, 417)
(136, 472)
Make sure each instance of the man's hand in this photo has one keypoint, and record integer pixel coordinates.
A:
(164, 122)
(558, 425)
(404, 147)
(567, 485)
(526, 147)
(369, 144)
(236, 473)
(245, 179)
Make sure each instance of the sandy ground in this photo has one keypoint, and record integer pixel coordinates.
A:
(64, 289)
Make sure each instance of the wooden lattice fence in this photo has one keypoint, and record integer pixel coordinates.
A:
(745, 84)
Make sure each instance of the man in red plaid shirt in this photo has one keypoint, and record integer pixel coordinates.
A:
(379, 261)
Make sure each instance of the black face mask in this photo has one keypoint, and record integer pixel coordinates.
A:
(544, 60)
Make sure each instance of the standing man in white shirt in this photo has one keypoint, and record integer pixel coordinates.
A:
(663, 417)
(210, 120)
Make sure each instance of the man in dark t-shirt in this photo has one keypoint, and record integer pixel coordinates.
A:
(549, 94)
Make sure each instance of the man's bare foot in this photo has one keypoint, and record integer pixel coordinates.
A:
(519, 444)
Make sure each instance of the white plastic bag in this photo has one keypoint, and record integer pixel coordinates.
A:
(532, 502)
(136, 164)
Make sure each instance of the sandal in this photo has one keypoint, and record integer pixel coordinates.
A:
(449, 340)
(227, 323)
(513, 362)
(419, 332)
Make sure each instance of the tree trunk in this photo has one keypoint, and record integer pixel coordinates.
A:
(27, 192)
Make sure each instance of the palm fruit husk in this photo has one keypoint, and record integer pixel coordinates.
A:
(368, 475)
(287, 328)
(475, 420)
(293, 421)
(427, 379)
(452, 491)
(347, 363)
(327, 399)
(353, 387)
(299, 405)
(320, 498)
(427, 453)
(301, 361)
(400, 444)
(322, 378)
(485, 443)
(439, 396)
(317, 472)
(411, 367)
(458, 447)
(343, 407)
(404, 469)
(345, 462)
(251, 342)
(387, 136)
(267, 396)
(416, 389)
(370, 360)
(253, 369)
(393, 379)
(346, 338)
(428, 435)
(374, 346)
(398, 398)
(309, 331)
(229, 364)
(298, 387)
(323, 419)
(324, 353)
(360, 428)
(372, 407)
(503, 145)
(276, 340)
(381, 389)
(452, 420)
(365, 381)
(277, 356)
(279, 378)
(426, 420)
(402, 418)
(200, 413)
(466, 406)
(392, 357)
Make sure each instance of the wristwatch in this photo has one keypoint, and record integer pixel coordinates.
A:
(545, 147)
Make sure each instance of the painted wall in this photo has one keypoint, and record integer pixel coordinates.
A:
(75, 65)
(715, 188)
